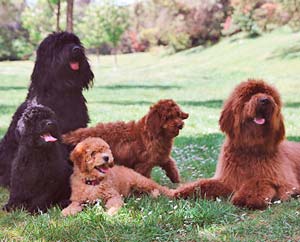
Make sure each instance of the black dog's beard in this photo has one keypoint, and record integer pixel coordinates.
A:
(64, 78)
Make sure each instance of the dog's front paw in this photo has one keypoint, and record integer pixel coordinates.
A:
(7, 207)
(155, 193)
(112, 211)
(71, 210)
(250, 202)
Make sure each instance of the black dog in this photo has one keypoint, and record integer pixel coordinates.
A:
(60, 74)
(39, 174)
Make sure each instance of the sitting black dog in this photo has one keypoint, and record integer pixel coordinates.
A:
(39, 175)
(60, 74)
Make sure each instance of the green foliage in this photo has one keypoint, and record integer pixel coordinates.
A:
(115, 21)
(292, 7)
(6, 50)
(39, 21)
(179, 24)
(247, 23)
(22, 48)
(91, 27)
(179, 41)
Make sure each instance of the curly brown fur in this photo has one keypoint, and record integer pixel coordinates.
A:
(143, 144)
(257, 165)
(93, 178)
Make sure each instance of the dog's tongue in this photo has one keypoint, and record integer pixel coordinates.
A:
(49, 138)
(104, 170)
(74, 66)
(259, 121)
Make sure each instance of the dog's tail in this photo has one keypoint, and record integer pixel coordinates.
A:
(74, 137)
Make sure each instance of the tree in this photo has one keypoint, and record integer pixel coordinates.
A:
(38, 20)
(92, 37)
(115, 22)
(57, 11)
(70, 4)
(292, 7)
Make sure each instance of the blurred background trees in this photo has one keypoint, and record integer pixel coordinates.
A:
(109, 27)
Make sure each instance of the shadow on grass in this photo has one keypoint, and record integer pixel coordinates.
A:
(7, 109)
(294, 138)
(292, 105)
(123, 103)
(9, 88)
(159, 87)
(211, 140)
(208, 103)
(290, 52)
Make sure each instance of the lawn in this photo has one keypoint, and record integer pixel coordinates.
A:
(199, 80)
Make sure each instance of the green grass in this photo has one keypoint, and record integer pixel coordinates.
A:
(199, 80)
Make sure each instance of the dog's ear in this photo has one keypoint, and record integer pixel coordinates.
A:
(226, 120)
(153, 122)
(77, 156)
(280, 129)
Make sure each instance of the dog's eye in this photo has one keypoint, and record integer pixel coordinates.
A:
(93, 153)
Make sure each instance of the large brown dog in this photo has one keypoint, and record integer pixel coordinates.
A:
(256, 165)
(144, 144)
(93, 178)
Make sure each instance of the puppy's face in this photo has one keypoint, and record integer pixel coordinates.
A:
(252, 114)
(166, 118)
(93, 157)
(38, 125)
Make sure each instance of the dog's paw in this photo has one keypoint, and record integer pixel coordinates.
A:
(155, 193)
(71, 210)
(112, 211)
(7, 207)
(251, 202)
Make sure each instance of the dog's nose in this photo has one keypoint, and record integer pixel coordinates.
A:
(105, 158)
(264, 100)
(184, 115)
(180, 126)
(49, 123)
(75, 49)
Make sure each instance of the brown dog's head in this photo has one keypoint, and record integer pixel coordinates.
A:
(93, 157)
(165, 118)
(252, 115)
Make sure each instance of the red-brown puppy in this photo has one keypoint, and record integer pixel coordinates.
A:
(143, 144)
(257, 164)
(94, 177)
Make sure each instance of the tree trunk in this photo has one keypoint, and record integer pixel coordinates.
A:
(58, 16)
(70, 4)
(115, 59)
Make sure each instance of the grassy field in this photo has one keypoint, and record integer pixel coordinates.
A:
(199, 80)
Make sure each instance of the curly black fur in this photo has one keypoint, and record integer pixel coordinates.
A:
(39, 174)
(56, 85)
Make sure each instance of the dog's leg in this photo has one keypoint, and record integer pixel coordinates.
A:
(7, 154)
(255, 194)
(143, 184)
(72, 209)
(171, 170)
(143, 169)
(113, 204)
(204, 188)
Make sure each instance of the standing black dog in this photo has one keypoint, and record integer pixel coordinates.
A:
(60, 74)
(39, 174)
